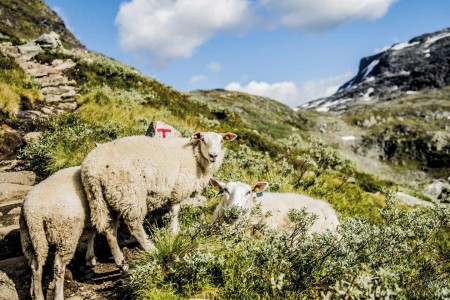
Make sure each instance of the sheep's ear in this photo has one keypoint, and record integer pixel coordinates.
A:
(259, 187)
(217, 184)
(229, 136)
(196, 136)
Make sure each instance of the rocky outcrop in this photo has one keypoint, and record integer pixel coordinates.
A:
(405, 68)
(30, 19)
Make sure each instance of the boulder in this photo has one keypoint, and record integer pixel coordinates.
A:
(412, 201)
(439, 190)
(49, 40)
(31, 137)
(160, 129)
(7, 288)
(28, 51)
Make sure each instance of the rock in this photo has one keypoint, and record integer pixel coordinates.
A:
(7, 288)
(28, 51)
(13, 192)
(11, 51)
(68, 105)
(76, 297)
(351, 180)
(31, 137)
(57, 62)
(439, 190)
(15, 211)
(68, 64)
(47, 110)
(56, 90)
(22, 177)
(160, 129)
(7, 165)
(49, 40)
(412, 201)
(4, 231)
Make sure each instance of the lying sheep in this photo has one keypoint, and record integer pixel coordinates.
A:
(130, 176)
(240, 195)
(55, 212)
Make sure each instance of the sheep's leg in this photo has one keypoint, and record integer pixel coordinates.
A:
(174, 225)
(111, 238)
(36, 280)
(137, 230)
(91, 260)
(60, 269)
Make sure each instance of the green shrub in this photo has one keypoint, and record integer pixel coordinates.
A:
(65, 142)
(399, 259)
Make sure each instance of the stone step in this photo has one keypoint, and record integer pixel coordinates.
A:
(9, 207)
(55, 80)
(21, 177)
(4, 231)
(11, 192)
(7, 165)
(58, 90)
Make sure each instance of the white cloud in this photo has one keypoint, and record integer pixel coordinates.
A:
(291, 94)
(166, 30)
(169, 29)
(285, 92)
(315, 16)
(214, 67)
(197, 78)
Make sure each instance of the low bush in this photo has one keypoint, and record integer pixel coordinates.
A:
(399, 259)
(65, 142)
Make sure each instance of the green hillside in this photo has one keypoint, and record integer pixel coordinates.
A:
(383, 247)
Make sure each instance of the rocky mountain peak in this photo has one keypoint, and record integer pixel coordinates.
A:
(404, 68)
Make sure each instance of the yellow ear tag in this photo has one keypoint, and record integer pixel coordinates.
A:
(257, 190)
(227, 137)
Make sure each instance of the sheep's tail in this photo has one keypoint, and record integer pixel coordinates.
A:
(100, 215)
(33, 238)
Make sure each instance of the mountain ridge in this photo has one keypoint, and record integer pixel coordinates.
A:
(420, 64)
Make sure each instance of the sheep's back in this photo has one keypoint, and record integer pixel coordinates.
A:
(145, 167)
(280, 204)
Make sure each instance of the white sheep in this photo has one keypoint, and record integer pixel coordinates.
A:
(130, 176)
(241, 196)
(55, 212)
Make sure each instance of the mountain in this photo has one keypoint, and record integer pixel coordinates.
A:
(28, 19)
(420, 64)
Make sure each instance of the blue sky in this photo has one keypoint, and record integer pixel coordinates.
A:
(290, 50)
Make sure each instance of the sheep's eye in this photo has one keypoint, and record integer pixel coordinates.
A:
(202, 139)
(248, 193)
(226, 190)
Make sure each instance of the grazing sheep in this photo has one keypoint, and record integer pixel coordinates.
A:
(238, 194)
(130, 176)
(55, 212)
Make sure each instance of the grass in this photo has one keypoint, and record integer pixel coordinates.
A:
(15, 88)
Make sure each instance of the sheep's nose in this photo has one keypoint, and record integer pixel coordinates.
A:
(212, 156)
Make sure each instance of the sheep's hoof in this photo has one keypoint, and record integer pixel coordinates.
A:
(124, 267)
(91, 262)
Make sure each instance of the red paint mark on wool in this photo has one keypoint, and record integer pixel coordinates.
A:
(164, 131)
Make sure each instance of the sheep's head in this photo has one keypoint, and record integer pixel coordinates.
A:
(237, 197)
(210, 143)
